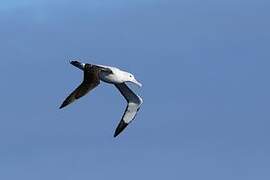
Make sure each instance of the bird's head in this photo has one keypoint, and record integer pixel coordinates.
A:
(128, 77)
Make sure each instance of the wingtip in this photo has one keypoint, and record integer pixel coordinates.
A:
(120, 128)
(116, 135)
(64, 104)
(61, 107)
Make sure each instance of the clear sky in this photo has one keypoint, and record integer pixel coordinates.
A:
(205, 70)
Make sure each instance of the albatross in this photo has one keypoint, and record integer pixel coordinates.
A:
(93, 75)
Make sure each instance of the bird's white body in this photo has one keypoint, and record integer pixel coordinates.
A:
(116, 76)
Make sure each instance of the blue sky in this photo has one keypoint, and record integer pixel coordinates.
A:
(205, 70)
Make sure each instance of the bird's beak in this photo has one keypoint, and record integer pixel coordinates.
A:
(137, 83)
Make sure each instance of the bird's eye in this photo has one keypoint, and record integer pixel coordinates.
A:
(130, 75)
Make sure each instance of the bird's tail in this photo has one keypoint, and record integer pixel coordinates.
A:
(78, 64)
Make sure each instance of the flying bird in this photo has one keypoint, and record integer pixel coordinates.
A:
(93, 75)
